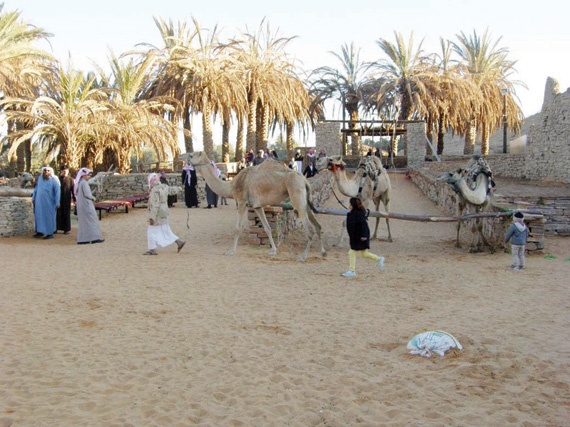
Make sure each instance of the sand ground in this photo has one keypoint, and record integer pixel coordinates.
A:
(100, 335)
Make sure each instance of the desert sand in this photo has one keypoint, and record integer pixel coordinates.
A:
(100, 335)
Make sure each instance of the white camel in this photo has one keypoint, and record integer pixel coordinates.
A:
(473, 186)
(370, 182)
(270, 183)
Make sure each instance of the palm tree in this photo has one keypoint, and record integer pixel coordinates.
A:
(133, 121)
(23, 71)
(454, 95)
(347, 84)
(64, 120)
(169, 76)
(266, 70)
(406, 78)
(486, 64)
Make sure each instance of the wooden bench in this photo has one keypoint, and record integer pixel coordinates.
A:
(124, 202)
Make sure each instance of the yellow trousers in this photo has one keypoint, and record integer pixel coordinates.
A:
(365, 254)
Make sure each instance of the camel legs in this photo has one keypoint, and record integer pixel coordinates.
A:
(386, 204)
(239, 227)
(317, 229)
(261, 214)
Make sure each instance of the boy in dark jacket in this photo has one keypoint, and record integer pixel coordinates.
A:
(517, 234)
(359, 235)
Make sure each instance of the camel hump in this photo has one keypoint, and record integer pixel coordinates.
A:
(372, 165)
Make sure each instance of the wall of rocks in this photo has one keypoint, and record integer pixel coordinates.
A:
(16, 216)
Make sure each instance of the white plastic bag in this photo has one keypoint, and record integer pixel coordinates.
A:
(437, 342)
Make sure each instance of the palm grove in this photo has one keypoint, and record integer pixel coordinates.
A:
(101, 118)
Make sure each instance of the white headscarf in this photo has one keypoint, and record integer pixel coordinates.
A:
(152, 180)
(80, 173)
(52, 176)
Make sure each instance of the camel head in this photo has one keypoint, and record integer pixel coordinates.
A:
(197, 158)
(331, 163)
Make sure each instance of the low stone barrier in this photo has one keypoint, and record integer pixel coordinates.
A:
(494, 229)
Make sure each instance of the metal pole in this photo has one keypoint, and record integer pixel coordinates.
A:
(504, 121)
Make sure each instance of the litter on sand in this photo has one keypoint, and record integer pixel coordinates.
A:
(429, 342)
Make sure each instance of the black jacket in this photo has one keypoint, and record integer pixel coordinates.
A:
(357, 227)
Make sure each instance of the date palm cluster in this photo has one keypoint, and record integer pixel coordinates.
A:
(147, 97)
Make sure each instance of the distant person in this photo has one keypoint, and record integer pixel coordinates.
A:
(211, 196)
(88, 230)
(293, 164)
(67, 195)
(359, 236)
(249, 158)
(46, 199)
(172, 198)
(190, 182)
(299, 160)
(322, 153)
(259, 158)
(369, 153)
(274, 154)
(159, 234)
(517, 234)
(223, 200)
(310, 170)
(377, 153)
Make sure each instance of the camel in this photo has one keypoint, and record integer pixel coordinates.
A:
(370, 182)
(270, 183)
(473, 186)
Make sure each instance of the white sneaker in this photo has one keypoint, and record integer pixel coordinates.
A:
(348, 273)
(381, 263)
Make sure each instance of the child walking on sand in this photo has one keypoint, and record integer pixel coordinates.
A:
(359, 235)
(517, 234)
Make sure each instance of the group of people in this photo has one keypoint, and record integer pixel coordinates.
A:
(52, 199)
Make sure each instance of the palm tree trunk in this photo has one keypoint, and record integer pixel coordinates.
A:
(251, 123)
(440, 134)
(208, 135)
(187, 125)
(289, 139)
(264, 129)
(355, 136)
(484, 140)
(239, 139)
(226, 138)
(470, 136)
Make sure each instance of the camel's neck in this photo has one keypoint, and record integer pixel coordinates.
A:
(348, 187)
(476, 196)
(221, 188)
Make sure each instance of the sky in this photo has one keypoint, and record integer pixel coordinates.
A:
(535, 32)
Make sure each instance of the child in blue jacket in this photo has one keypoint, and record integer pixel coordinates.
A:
(517, 234)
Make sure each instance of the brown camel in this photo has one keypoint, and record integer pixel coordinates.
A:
(270, 183)
(370, 182)
(473, 186)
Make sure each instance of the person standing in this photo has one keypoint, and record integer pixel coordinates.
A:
(46, 199)
(518, 235)
(88, 230)
(211, 197)
(359, 236)
(299, 160)
(159, 234)
(190, 181)
(67, 195)
(310, 170)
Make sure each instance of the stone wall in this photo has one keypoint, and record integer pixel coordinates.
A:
(16, 216)
(327, 136)
(548, 144)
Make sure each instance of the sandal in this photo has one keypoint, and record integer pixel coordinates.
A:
(180, 246)
(151, 252)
